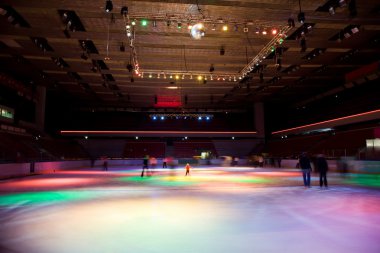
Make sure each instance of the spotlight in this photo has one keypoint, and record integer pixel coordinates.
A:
(342, 3)
(154, 117)
(124, 11)
(331, 10)
(274, 31)
(162, 117)
(179, 25)
(355, 30)
(245, 29)
(207, 118)
(109, 6)
(264, 32)
(199, 118)
(291, 22)
(225, 28)
(133, 22)
(301, 17)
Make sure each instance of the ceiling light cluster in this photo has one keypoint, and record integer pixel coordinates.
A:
(197, 116)
(197, 30)
(267, 49)
(13, 16)
(130, 32)
(178, 75)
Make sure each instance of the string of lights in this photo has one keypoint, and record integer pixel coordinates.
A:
(198, 116)
(181, 75)
(267, 49)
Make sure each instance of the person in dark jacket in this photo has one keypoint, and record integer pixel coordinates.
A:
(304, 163)
(322, 168)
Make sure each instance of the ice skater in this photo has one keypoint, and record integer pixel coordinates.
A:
(304, 163)
(145, 165)
(187, 167)
(322, 168)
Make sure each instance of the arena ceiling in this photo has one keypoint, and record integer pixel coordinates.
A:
(100, 59)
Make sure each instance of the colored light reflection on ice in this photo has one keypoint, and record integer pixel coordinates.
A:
(48, 183)
(44, 197)
(363, 180)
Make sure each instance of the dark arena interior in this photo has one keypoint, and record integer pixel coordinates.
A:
(189, 126)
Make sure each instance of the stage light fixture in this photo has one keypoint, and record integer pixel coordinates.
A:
(332, 10)
(291, 22)
(301, 17)
(133, 22)
(225, 28)
(109, 6)
(124, 11)
(274, 31)
(154, 117)
(179, 25)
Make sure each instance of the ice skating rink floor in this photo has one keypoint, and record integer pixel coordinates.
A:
(216, 209)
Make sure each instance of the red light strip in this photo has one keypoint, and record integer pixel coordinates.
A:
(327, 121)
(148, 132)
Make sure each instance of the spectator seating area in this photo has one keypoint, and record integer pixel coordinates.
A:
(189, 149)
(337, 144)
(24, 148)
(138, 149)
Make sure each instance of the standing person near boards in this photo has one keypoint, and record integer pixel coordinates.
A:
(305, 165)
(322, 168)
